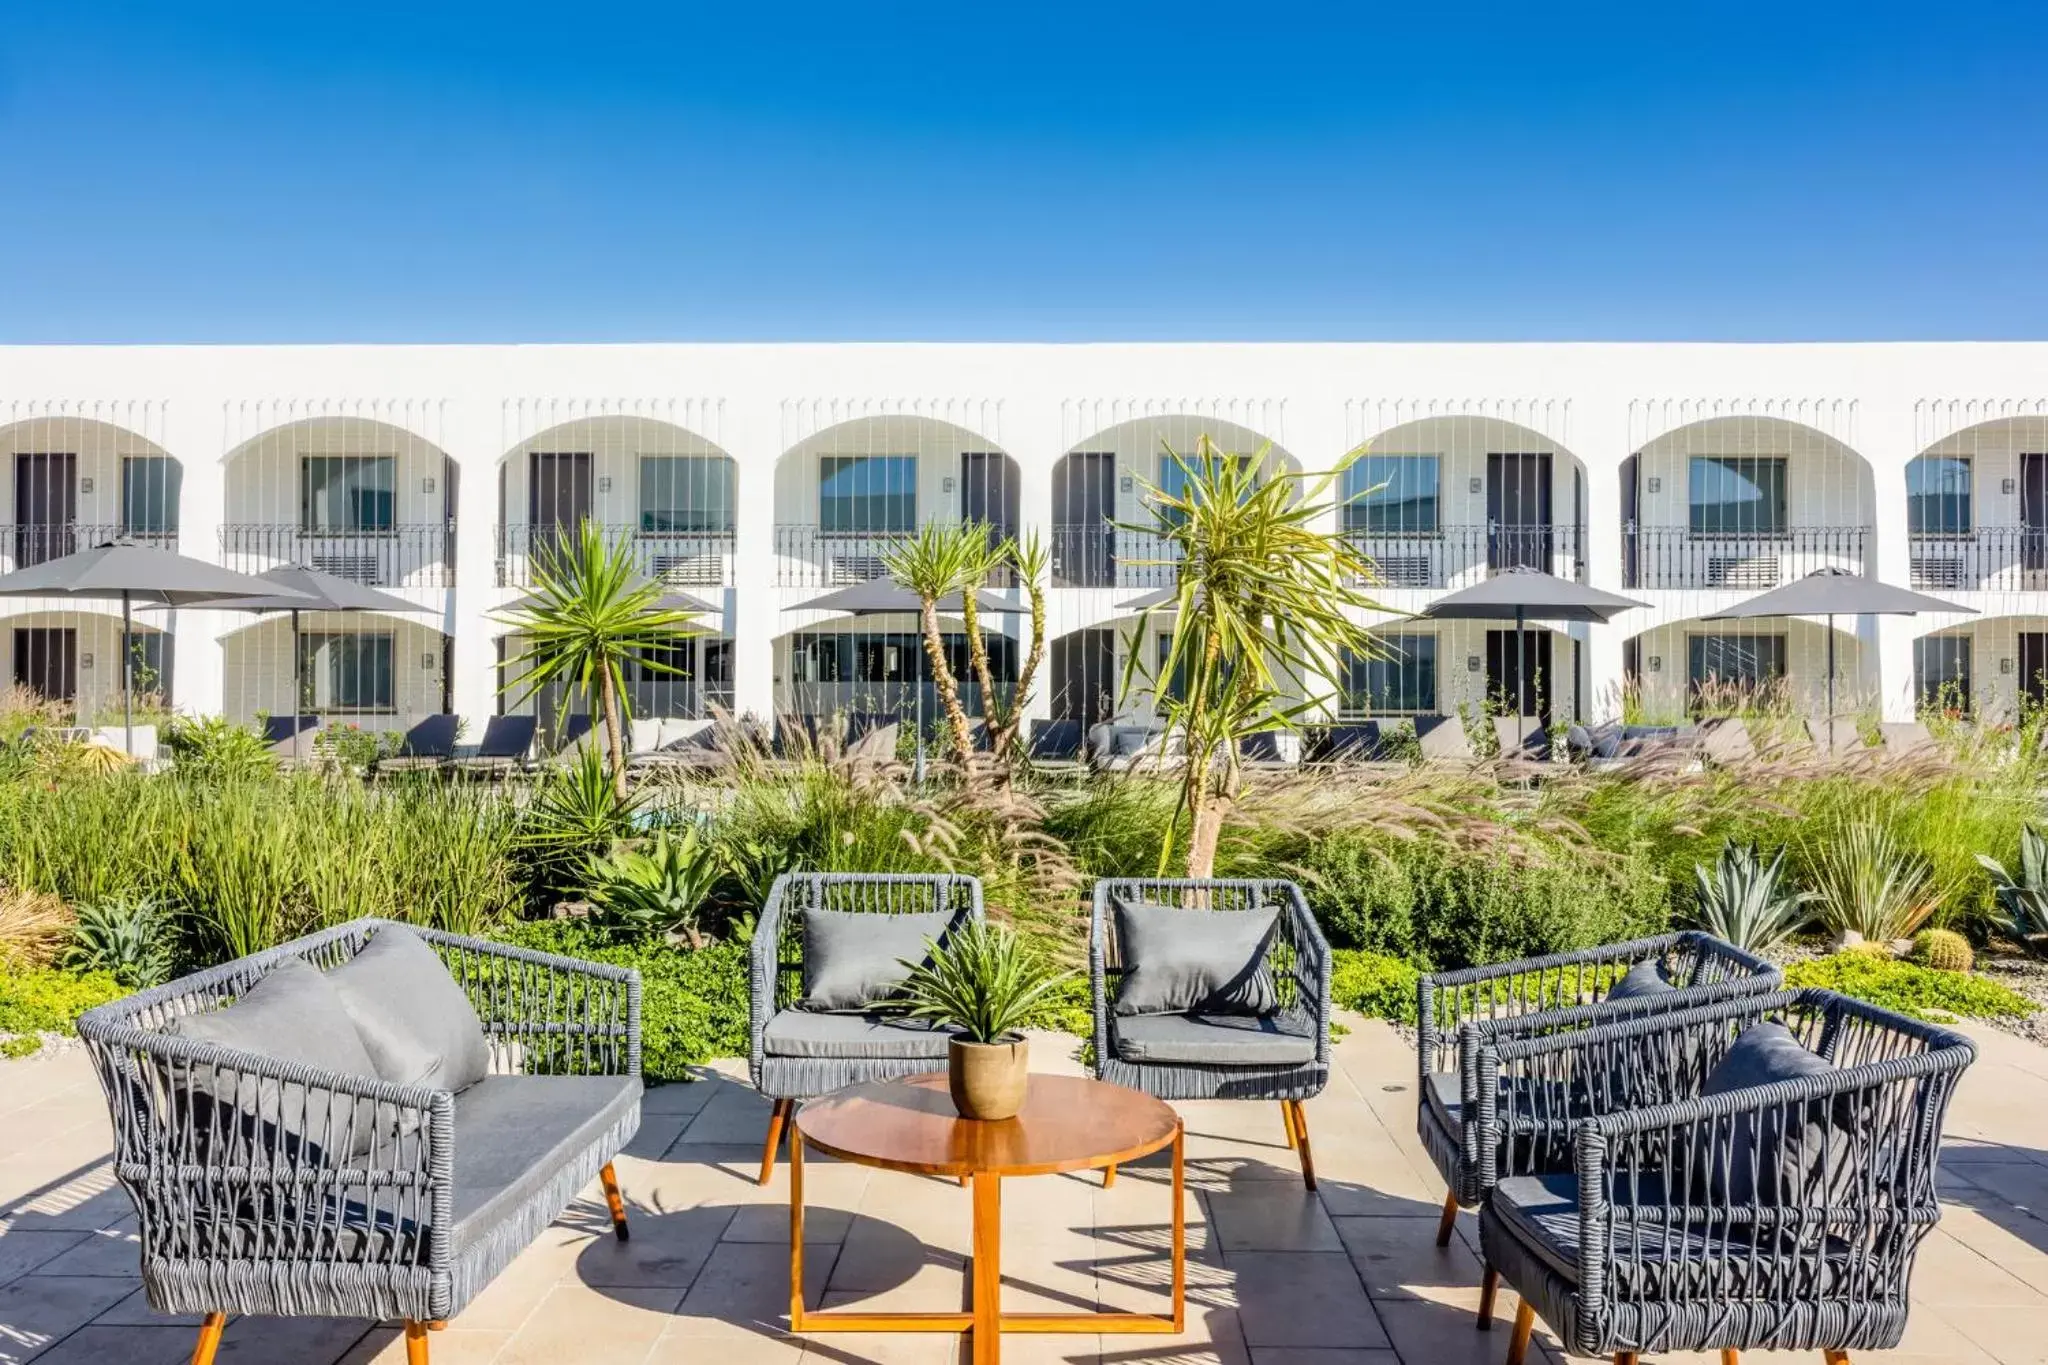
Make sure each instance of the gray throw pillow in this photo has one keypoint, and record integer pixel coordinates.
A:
(1787, 1154)
(853, 959)
(293, 1014)
(416, 1023)
(1644, 979)
(1202, 961)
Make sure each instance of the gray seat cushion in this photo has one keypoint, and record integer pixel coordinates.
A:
(1178, 961)
(513, 1134)
(1216, 1039)
(801, 1033)
(1443, 1092)
(1641, 981)
(854, 958)
(1763, 1163)
(416, 1023)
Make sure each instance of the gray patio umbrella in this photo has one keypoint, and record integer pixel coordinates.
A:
(1521, 594)
(134, 573)
(1833, 592)
(1151, 601)
(672, 600)
(296, 588)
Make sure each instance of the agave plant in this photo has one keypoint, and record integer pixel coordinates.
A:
(1871, 886)
(984, 980)
(660, 888)
(576, 814)
(128, 938)
(1743, 900)
(2023, 900)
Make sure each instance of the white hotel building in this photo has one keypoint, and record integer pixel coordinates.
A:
(757, 477)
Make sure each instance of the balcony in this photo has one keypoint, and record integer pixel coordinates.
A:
(681, 559)
(420, 555)
(1453, 556)
(27, 544)
(1989, 559)
(1097, 555)
(1678, 558)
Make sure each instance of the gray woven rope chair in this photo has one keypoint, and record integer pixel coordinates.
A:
(827, 961)
(1461, 1013)
(1212, 990)
(1757, 1175)
(278, 1170)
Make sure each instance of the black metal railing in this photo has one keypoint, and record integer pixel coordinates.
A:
(1989, 559)
(1099, 555)
(1677, 557)
(23, 545)
(904, 700)
(1453, 556)
(412, 554)
(817, 557)
(681, 559)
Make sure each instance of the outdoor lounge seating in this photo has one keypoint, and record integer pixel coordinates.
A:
(426, 745)
(287, 736)
(826, 963)
(506, 742)
(1212, 990)
(1055, 741)
(372, 1121)
(1470, 1128)
(1754, 1174)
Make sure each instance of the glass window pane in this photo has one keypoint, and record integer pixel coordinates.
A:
(347, 492)
(1403, 682)
(1745, 661)
(867, 493)
(1392, 494)
(150, 487)
(1738, 494)
(1941, 672)
(685, 493)
(348, 671)
(1938, 496)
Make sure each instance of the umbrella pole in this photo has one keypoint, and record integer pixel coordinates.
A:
(1831, 682)
(298, 692)
(127, 677)
(1521, 677)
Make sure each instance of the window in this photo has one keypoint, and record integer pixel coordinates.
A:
(347, 492)
(150, 485)
(1738, 495)
(1938, 496)
(1941, 672)
(1173, 478)
(1402, 682)
(149, 655)
(685, 493)
(1392, 495)
(348, 671)
(1746, 663)
(867, 494)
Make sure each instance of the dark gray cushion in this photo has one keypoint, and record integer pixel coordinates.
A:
(1216, 1039)
(1179, 961)
(416, 1023)
(295, 1015)
(514, 1133)
(853, 959)
(1783, 1154)
(801, 1033)
(1444, 1093)
(1644, 979)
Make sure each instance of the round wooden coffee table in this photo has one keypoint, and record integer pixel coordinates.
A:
(1068, 1123)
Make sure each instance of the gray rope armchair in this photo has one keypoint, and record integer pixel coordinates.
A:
(797, 1053)
(1281, 1054)
(1708, 1214)
(1462, 1013)
(345, 1195)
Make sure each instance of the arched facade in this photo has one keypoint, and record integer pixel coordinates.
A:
(73, 482)
(368, 670)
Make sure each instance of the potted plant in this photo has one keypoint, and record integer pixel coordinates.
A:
(985, 981)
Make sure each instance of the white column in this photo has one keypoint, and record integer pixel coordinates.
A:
(197, 438)
(1600, 440)
(753, 437)
(473, 436)
(1885, 437)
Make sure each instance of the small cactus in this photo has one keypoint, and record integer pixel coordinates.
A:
(1944, 950)
(1869, 947)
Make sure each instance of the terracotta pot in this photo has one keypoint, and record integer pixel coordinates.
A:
(988, 1079)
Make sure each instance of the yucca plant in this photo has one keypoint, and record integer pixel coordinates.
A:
(576, 814)
(1870, 885)
(941, 559)
(2023, 900)
(1743, 900)
(659, 888)
(129, 939)
(984, 980)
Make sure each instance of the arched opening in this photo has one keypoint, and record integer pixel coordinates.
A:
(1687, 669)
(665, 490)
(1100, 486)
(351, 496)
(1442, 502)
(688, 680)
(846, 494)
(871, 671)
(1977, 509)
(363, 670)
(1993, 668)
(75, 482)
(69, 663)
(1743, 504)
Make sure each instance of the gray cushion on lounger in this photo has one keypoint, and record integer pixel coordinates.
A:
(800, 1033)
(513, 1134)
(416, 1023)
(1216, 1039)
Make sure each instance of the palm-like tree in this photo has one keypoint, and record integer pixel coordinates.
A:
(589, 612)
(942, 559)
(1263, 615)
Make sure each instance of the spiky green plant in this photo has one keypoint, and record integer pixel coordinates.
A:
(1869, 883)
(659, 888)
(590, 611)
(1744, 901)
(576, 814)
(2023, 900)
(984, 979)
(126, 937)
(941, 559)
(1943, 950)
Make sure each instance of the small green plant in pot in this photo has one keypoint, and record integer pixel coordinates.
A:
(984, 981)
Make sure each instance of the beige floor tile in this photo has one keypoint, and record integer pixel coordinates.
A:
(1436, 1334)
(1253, 1218)
(1303, 1299)
(1214, 1337)
(37, 1311)
(453, 1345)
(666, 1250)
(743, 1291)
(1398, 1258)
(112, 1251)
(1321, 1355)
(577, 1322)
(101, 1345)
(22, 1251)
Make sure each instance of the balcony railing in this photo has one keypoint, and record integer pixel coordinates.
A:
(1676, 557)
(681, 559)
(1454, 556)
(1989, 559)
(420, 555)
(25, 545)
(814, 557)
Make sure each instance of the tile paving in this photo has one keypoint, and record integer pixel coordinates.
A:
(1348, 1276)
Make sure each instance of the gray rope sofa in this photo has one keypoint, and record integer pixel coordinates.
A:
(1212, 989)
(1755, 1174)
(1461, 1014)
(371, 1121)
(826, 963)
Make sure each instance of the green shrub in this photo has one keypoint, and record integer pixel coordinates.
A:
(215, 749)
(44, 1000)
(1374, 984)
(1919, 991)
(128, 939)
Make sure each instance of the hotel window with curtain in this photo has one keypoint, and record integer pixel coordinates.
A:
(1737, 495)
(867, 494)
(685, 494)
(1938, 496)
(347, 492)
(150, 486)
(348, 671)
(1393, 495)
(1746, 663)
(1941, 672)
(1402, 682)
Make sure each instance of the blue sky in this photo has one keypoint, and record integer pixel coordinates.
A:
(367, 171)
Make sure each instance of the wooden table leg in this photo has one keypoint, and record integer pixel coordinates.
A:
(1180, 1229)
(796, 1232)
(210, 1328)
(988, 1268)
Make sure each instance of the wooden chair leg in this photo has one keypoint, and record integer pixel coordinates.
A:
(1627, 1358)
(615, 1200)
(1835, 1357)
(1729, 1357)
(777, 1119)
(210, 1329)
(1108, 1176)
(1287, 1122)
(1488, 1288)
(1525, 1327)
(415, 1342)
(1308, 1161)
(1449, 1223)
